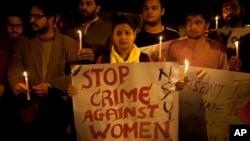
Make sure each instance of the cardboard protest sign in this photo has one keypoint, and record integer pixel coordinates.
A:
(126, 102)
(210, 104)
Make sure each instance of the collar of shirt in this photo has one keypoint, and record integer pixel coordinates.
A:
(86, 26)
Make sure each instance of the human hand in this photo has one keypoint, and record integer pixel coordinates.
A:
(86, 54)
(20, 88)
(181, 83)
(42, 89)
(156, 58)
(70, 90)
(234, 63)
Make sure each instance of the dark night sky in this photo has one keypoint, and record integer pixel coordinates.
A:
(174, 8)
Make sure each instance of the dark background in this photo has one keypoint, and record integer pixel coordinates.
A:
(175, 9)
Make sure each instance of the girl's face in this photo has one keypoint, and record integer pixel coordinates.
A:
(123, 37)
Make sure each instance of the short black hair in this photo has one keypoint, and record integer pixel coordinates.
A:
(122, 19)
(16, 13)
(97, 2)
(48, 7)
(162, 3)
(242, 3)
(199, 9)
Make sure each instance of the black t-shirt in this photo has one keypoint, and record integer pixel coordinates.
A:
(244, 51)
(144, 38)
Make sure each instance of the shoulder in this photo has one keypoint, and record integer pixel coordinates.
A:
(21, 41)
(172, 31)
(179, 41)
(214, 44)
(102, 23)
(65, 38)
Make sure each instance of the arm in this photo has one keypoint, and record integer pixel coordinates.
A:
(15, 67)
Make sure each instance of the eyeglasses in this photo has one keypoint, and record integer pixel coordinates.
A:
(36, 16)
(11, 25)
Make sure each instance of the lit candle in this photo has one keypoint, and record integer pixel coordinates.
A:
(160, 46)
(27, 84)
(216, 22)
(186, 69)
(237, 48)
(80, 39)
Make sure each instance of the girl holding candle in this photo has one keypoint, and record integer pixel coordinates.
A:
(123, 50)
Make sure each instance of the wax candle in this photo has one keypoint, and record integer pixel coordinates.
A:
(80, 39)
(216, 22)
(27, 84)
(186, 68)
(160, 46)
(237, 48)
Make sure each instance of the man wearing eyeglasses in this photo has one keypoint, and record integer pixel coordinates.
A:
(14, 25)
(45, 57)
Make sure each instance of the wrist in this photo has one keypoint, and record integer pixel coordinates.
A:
(49, 85)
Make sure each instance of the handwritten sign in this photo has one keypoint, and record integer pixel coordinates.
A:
(126, 102)
(209, 105)
(228, 36)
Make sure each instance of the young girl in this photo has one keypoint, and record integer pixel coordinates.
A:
(124, 50)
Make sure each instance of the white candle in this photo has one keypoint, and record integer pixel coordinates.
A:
(27, 84)
(216, 22)
(80, 39)
(160, 47)
(237, 48)
(186, 68)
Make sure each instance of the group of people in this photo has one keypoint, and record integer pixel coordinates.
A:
(47, 55)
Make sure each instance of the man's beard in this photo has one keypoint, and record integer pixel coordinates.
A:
(42, 30)
(87, 17)
(14, 34)
(233, 21)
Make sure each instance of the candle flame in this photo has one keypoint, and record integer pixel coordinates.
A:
(236, 43)
(186, 65)
(216, 18)
(25, 73)
(79, 32)
(160, 38)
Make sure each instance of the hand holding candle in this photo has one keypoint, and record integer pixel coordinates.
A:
(80, 39)
(27, 84)
(160, 47)
(183, 80)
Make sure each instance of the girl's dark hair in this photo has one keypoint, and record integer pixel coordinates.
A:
(121, 19)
